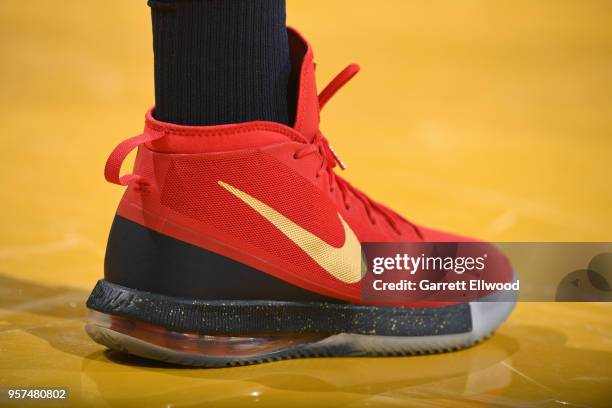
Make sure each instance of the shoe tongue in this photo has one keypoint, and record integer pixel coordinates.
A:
(303, 98)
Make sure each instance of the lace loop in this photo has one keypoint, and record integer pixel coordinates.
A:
(120, 152)
(337, 83)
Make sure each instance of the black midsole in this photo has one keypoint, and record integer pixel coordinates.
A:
(241, 317)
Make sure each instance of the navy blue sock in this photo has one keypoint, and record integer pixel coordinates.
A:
(220, 61)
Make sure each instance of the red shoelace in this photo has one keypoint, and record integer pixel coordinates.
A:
(329, 158)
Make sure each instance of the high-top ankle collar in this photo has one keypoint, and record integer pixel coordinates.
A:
(202, 139)
(303, 96)
(304, 104)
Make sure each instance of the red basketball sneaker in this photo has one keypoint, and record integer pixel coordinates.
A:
(238, 244)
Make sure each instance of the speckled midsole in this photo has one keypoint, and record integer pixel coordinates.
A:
(233, 317)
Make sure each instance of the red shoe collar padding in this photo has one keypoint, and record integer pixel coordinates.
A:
(207, 139)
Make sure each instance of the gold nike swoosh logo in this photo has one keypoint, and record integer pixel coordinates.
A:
(343, 263)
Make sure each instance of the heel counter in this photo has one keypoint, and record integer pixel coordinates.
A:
(143, 259)
(129, 254)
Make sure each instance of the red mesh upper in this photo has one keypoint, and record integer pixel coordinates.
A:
(190, 187)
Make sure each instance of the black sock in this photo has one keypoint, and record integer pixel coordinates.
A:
(220, 61)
